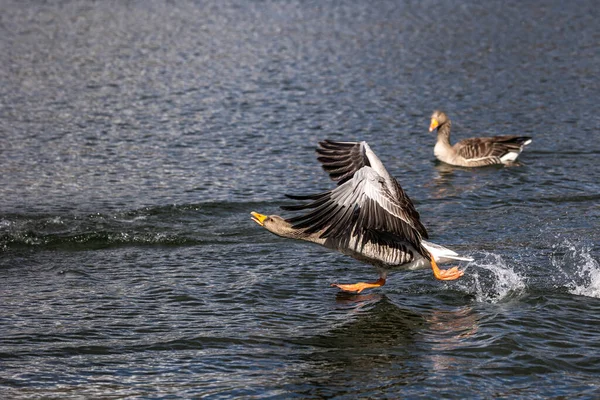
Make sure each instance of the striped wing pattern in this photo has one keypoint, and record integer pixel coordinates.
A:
(341, 159)
(363, 205)
(490, 148)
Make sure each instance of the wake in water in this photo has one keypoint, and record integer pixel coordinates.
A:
(490, 279)
(189, 224)
(578, 271)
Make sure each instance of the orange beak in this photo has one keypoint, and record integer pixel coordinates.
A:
(434, 124)
(258, 218)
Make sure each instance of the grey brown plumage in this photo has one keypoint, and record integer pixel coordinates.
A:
(367, 216)
(474, 152)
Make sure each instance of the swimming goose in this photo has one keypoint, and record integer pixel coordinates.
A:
(368, 216)
(474, 152)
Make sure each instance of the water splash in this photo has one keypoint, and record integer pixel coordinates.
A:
(492, 280)
(578, 267)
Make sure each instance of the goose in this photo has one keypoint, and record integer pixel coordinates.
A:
(367, 216)
(474, 152)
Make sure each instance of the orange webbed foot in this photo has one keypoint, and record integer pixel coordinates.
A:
(449, 274)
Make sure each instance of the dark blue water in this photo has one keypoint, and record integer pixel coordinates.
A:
(136, 137)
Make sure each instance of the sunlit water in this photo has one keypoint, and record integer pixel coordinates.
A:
(136, 137)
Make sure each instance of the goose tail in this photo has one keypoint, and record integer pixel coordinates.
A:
(442, 254)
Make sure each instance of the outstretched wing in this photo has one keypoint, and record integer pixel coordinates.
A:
(341, 160)
(362, 207)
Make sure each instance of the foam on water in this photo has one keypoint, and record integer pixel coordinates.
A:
(491, 279)
(580, 272)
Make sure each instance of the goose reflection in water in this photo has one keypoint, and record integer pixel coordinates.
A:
(450, 330)
(382, 346)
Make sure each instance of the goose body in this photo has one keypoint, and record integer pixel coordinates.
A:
(368, 216)
(474, 152)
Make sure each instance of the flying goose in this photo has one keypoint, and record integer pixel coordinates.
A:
(368, 216)
(474, 152)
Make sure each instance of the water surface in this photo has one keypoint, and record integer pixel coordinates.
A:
(136, 138)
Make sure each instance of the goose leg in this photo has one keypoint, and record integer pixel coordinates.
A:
(360, 286)
(445, 274)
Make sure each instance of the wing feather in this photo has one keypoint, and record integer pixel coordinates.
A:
(362, 206)
(341, 160)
